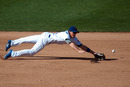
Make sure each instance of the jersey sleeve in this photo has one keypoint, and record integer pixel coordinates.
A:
(67, 38)
(68, 41)
(76, 42)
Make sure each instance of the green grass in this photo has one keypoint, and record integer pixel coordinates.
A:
(58, 15)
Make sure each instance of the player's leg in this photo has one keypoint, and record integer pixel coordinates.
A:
(29, 39)
(36, 48)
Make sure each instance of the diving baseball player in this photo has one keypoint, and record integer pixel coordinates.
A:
(46, 38)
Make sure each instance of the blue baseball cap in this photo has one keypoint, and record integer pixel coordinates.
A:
(73, 29)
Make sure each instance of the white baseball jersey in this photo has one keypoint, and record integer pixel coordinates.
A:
(59, 38)
(42, 40)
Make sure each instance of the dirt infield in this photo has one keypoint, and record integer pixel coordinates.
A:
(61, 66)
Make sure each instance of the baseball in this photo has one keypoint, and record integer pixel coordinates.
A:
(113, 51)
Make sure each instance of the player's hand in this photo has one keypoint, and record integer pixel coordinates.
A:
(81, 51)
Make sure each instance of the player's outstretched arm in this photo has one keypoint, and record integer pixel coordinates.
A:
(72, 45)
(85, 48)
(98, 56)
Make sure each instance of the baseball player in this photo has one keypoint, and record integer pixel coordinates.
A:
(46, 38)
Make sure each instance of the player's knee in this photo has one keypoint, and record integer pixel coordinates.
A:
(32, 52)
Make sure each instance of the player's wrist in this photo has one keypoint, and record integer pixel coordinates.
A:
(88, 50)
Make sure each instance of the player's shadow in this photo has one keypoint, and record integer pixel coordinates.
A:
(56, 58)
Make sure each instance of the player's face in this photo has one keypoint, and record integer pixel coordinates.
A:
(73, 34)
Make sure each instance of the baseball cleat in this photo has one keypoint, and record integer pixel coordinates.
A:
(8, 54)
(8, 45)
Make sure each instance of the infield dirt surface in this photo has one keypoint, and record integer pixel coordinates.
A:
(61, 66)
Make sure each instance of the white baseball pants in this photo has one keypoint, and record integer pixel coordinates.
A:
(39, 40)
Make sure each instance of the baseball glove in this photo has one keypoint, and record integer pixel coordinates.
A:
(99, 56)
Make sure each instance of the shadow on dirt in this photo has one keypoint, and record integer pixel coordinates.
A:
(57, 58)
